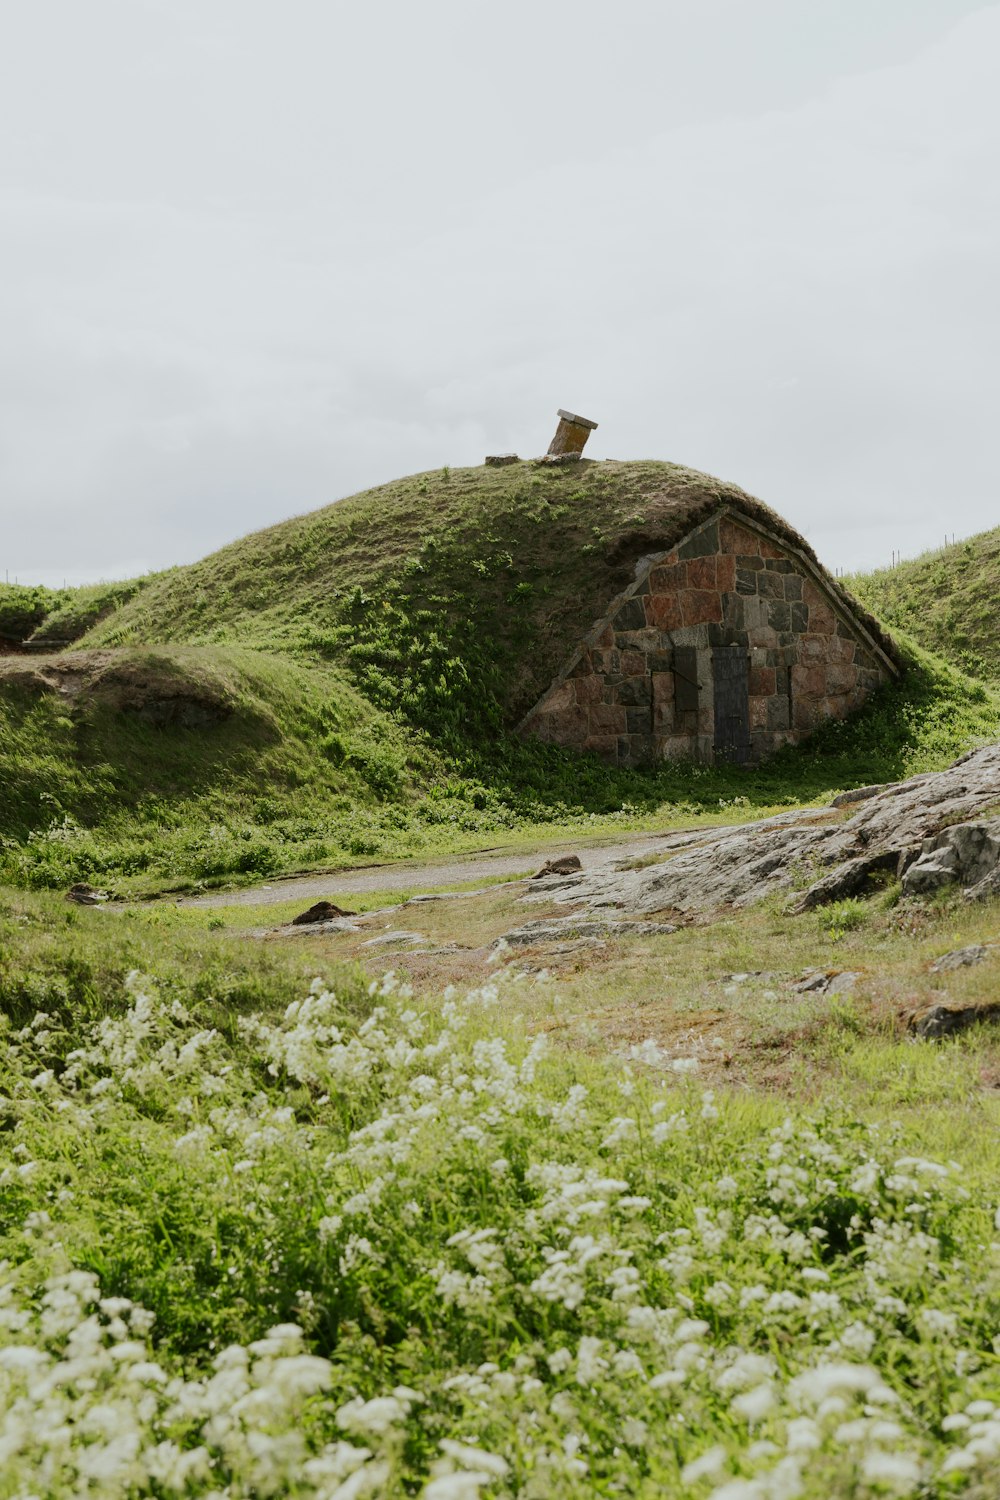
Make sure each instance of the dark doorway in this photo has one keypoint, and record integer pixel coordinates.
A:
(731, 675)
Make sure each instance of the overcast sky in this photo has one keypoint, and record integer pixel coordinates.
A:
(258, 254)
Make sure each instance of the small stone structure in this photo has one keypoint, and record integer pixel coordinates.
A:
(571, 435)
(729, 644)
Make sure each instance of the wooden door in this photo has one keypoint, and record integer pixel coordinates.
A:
(731, 676)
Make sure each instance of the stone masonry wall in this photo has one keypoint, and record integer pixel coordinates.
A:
(628, 694)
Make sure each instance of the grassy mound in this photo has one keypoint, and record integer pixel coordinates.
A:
(946, 600)
(163, 762)
(452, 597)
(344, 685)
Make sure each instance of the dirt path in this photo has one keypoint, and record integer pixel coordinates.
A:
(429, 874)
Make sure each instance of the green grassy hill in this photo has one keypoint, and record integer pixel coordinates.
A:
(351, 678)
(948, 600)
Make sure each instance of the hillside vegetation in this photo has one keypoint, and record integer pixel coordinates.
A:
(948, 600)
(264, 1236)
(363, 669)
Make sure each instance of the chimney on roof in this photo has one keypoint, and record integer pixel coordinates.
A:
(571, 435)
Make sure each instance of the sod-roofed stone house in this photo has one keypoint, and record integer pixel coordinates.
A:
(731, 642)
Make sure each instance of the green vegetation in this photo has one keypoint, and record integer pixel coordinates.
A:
(270, 1236)
(344, 686)
(53, 617)
(946, 600)
(664, 1224)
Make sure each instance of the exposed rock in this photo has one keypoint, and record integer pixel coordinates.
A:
(316, 929)
(399, 938)
(564, 866)
(966, 853)
(827, 982)
(86, 895)
(500, 460)
(960, 958)
(946, 1020)
(740, 866)
(860, 794)
(323, 911)
(559, 928)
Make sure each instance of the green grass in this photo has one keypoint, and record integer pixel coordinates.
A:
(363, 668)
(548, 1270)
(946, 600)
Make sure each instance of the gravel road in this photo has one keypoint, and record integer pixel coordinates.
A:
(483, 864)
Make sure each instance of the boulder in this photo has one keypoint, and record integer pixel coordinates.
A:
(959, 958)
(966, 854)
(947, 1020)
(563, 866)
(86, 895)
(323, 911)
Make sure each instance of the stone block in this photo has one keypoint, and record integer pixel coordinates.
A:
(567, 726)
(776, 564)
(840, 650)
(563, 695)
(735, 538)
(762, 635)
(701, 573)
(704, 543)
(799, 614)
(706, 721)
(793, 588)
(758, 713)
(663, 687)
(841, 677)
(606, 718)
(822, 620)
(664, 611)
(732, 611)
(769, 549)
(808, 682)
(779, 615)
(638, 720)
(762, 683)
(633, 663)
(746, 581)
(631, 616)
(634, 690)
(699, 606)
(665, 579)
(804, 713)
(660, 661)
(812, 649)
(725, 573)
(771, 586)
(589, 689)
(811, 595)
(777, 712)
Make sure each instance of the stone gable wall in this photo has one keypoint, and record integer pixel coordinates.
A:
(726, 584)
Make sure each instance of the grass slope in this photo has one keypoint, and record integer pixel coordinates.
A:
(370, 660)
(947, 600)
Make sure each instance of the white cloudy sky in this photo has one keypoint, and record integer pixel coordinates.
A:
(258, 254)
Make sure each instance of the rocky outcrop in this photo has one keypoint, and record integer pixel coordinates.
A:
(937, 1021)
(967, 854)
(815, 856)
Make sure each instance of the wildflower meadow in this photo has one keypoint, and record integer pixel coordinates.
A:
(376, 1248)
